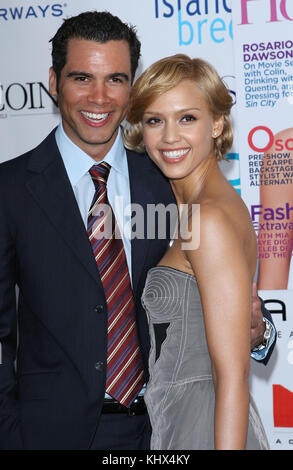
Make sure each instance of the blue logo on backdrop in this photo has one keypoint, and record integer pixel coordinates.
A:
(236, 181)
(27, 12)
(198, 20)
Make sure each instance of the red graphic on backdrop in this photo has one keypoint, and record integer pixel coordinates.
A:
(283, 407)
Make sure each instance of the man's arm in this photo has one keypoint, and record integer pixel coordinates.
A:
(261, 348)
(10, 434)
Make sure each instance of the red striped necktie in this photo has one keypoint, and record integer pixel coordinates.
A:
(125, 376)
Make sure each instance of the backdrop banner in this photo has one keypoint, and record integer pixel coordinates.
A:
(263, 51)
(255, 60)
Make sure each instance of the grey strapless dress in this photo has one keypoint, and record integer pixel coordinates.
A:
(180, 394)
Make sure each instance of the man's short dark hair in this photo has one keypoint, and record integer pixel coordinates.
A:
(93, 26)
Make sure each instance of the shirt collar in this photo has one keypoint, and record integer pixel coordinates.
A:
(78, 163)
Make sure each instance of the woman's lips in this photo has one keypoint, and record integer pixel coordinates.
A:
(175, 155)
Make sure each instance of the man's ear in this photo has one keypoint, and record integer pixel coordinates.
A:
(52, 82)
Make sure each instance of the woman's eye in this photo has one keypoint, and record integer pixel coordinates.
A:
(188, 118)
(152, 121)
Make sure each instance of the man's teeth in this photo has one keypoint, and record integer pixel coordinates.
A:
(95, 116)
(175, 153)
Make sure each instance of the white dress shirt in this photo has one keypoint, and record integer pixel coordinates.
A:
(78, 163)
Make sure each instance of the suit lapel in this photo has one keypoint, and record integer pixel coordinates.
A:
(141, 177)
(51, 188)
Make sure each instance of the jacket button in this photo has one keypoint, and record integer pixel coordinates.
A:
(99, 308)
(99, 366)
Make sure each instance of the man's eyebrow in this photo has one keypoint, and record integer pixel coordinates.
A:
(77, 73)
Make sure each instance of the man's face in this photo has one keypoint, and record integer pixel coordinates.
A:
(93, 93)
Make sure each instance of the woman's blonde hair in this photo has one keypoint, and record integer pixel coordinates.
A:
(166, 74)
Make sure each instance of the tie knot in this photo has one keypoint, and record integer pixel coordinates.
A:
(100, 172)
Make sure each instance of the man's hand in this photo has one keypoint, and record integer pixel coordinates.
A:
(257, 328)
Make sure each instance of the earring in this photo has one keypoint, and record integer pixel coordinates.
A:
(215, 134)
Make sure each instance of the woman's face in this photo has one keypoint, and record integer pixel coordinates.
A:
(178, 130)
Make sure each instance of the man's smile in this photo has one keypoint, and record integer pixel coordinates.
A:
(95, 119)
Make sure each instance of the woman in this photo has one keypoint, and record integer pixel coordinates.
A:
(197, 300)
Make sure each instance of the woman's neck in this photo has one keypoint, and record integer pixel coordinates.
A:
(188, 189)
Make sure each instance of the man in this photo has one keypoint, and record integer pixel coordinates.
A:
(61, 394)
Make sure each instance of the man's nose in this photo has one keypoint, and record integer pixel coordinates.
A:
(98, 94)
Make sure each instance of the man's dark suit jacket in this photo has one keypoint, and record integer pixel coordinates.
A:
(53, 366)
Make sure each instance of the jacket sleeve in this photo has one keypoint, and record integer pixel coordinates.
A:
(10, 429)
